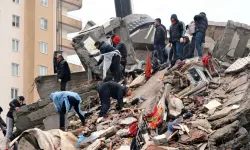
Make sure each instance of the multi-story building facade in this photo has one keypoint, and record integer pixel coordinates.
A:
(30, 31)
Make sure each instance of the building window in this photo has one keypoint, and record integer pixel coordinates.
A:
(16, 1)
(15, 21)
(44, 23)
(15, 69)
(44, 3)
(43, 70)
(15, 45)
(14, 93)
(43, 48)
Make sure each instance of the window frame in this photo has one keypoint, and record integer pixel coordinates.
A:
(14, 21)
(18, 68)
(15, 1)
(42, 26)
(41, 70)
(43, 43)
(15, 92)
(42, 4)
(16, 41)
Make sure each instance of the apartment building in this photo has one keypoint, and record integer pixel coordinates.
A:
(30, 32)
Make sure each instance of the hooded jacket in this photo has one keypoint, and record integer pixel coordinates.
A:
(160, 35)
(13, 104)
(201, 23)
(106, 48)
(188, 52)
(120, 46)
(114, 90)
(63, 71)
(176, 30)
(59, 97)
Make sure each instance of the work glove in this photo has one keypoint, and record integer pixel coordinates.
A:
(60, 80)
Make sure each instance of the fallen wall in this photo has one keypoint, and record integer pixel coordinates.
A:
(233, 42)
(48, 84)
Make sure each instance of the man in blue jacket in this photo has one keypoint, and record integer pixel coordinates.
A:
(63, 102)
(114, 90)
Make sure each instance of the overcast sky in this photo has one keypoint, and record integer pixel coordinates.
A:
(216, 10)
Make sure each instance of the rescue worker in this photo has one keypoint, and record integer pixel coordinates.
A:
(2, 123)
(188, 51)
(114, 90)
(110, 60)
(201, 25)
(176, 33)
(63, 72)
(159, 40)
(119, 45)
(15, 105)
(63, 101)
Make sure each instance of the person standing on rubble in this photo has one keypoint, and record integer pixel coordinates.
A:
(159, 40)
(114, 90)
(63, 101)
(119, 45)
(63, 72)
(15, 105)
(110, 60)
(201, 25)
(176, 36)
(2, 123)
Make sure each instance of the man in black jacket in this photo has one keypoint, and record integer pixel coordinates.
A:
(176, 33)
(188, 51)
(201, 24)
(119, 45)
(63, 72)
(2, 123)
(114, 90)
(115, 62)
(15, 105)
(159, 40)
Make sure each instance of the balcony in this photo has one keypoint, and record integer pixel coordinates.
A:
(72, 5)
(65, 45)
(71, 24)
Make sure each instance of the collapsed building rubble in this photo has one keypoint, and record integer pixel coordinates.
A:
(188, 106)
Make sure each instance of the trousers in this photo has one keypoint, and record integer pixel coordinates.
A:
(10, 125)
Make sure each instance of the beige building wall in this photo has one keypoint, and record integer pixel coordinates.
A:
(7, 57)
(33, 58)
(29, 35)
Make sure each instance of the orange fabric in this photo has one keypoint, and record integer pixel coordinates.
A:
(116, 39)
(148, 67)
(155, 117)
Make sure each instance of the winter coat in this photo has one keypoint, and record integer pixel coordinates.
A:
(187, 49)
(13, 104)
(176, 30)
(113, 89)
(160, 35)
(106, 48)
(201, 23)
(63, 71)
(59, 97)
(122, 48)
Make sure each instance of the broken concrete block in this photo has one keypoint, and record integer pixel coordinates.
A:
(233, 42)
(219, 114)
(236, 83)
(51, 122)
(201, 122)
(195, 136)
(212, 104)
(140, 80)
(96, 145)
(175, 106)
(128, 121)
